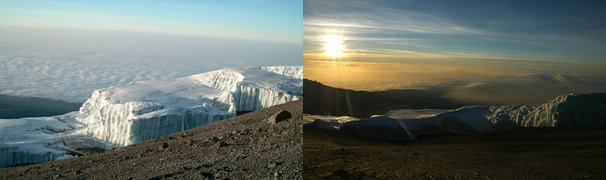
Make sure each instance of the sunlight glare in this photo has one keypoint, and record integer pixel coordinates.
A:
(334, 46)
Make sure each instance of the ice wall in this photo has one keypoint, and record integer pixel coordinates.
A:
(10, 156)
(151, 109)
(290, 71)
(572, 110)
(121, 124)
(36, 140)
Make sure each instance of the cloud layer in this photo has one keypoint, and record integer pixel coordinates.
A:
(69, 64)
(468, 83)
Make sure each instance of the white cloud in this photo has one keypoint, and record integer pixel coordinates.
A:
(69, 64)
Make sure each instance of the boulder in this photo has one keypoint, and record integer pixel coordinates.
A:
(279, 117)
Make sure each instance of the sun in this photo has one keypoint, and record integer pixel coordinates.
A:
(333, 46)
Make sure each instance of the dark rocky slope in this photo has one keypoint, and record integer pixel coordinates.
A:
(243, 147)
(520, 153)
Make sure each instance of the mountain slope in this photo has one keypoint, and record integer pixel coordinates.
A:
(242, 147)
(519, 153)
(324, 100)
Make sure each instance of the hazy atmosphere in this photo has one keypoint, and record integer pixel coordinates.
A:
(479, 52)
(64, 50)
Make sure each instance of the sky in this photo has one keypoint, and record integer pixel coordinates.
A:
(469, 46)
(245, 19)
(64, 50)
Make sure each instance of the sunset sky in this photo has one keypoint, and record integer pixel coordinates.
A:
(465, 45)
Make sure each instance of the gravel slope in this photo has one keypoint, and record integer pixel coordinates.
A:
(243, 147)
(521, 153)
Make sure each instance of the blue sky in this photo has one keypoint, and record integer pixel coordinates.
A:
(413, 30)
(266, 20)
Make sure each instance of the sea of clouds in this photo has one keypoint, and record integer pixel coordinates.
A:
(69, 64)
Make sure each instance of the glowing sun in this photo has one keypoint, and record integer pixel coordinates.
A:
(333, 46)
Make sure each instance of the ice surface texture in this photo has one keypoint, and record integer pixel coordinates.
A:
(36, 140)
(119, 116)
(572, 110)
(151, 109)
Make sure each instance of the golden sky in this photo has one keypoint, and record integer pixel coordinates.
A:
(486, 52)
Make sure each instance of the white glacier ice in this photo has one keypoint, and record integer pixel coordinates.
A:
(398, 124)
(122, 115)
(41, 139)
(327, 122)
(151, 109)
(572, 110)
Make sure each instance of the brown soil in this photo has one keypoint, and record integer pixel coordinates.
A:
(522, 153)
(243, 147)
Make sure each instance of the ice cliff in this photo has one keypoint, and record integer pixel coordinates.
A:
(41, 139)
(119, 116)
(572, 110)
(151, 109)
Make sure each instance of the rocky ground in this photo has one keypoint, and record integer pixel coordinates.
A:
(522, 153)
(243, 147)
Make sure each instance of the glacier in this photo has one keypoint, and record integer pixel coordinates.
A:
(122, 115)
(41, 139)
(327, 122)
(572, 110)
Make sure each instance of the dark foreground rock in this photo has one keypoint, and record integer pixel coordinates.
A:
(243, 147)
(520, 153)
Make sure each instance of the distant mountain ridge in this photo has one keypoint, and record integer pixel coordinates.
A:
(325, 100)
